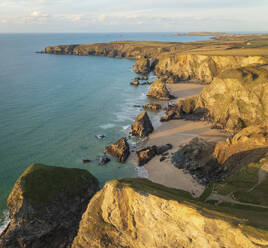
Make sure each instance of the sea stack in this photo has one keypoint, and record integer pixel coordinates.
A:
(142, 126)
(119, 149)
(159, 90)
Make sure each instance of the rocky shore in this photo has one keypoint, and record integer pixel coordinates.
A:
(209, 157)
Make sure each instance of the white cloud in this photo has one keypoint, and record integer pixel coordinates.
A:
(102, 17)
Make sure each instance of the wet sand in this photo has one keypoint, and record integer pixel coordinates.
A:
(177, 132)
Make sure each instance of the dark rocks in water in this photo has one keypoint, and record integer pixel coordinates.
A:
(135, 82)
(146, 83)
(46, 205)
(146, 154)
(86, 160)
(119, 149)
(154, 106)
(136, 106)
(104, 160)
(101, 136)
(197, 158)
(162, 149)
(142, 126)
(145, 77)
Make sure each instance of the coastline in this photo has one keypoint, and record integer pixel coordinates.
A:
(176, 133)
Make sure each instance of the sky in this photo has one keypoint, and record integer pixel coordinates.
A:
(37, 16)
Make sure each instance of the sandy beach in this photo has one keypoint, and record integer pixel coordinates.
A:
(177, 132)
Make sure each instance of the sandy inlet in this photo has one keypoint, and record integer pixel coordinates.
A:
(177, 132)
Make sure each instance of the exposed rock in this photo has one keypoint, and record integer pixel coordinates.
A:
(145, 77)
(237, 98)
(162, 149)
(154, 106)
(119, 149)
(136, 106)
(104, 160)
(146, 154)
(201, 67)
(197, 157)
(46, 205)
(146, 83)
(159, 90)
(142, 66)
(86, 160)
(138, 213)
(142, 126)
(135, 82)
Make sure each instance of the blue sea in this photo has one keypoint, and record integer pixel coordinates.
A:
(52, 107)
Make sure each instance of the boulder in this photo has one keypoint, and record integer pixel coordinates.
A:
(46, 205)
(104, 160)
(162, 149)
(142, 126)
(159, 90)
(135, 82)
(146, 154)
(154, 106)
(119, 149)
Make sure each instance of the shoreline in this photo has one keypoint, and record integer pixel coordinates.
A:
(176, 133)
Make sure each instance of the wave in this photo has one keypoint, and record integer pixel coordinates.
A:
(5, 221)
(107, 126)
(141, 171)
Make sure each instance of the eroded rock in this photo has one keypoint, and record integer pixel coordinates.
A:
(142, 126)
(159, 91)
(119, 149)
(154, 106)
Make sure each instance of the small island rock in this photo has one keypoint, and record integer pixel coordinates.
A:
(119, 149)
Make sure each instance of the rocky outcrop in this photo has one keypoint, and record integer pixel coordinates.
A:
(146, 154)
(142, 126)
(119, 149)
(201, 67)
(237, 98)
(159, 90)
(138, 213)
(46, 205)
(153, 106)
(142, 66)
(135, 82)
(197, 158)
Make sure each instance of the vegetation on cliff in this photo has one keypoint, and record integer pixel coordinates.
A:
(46, 205)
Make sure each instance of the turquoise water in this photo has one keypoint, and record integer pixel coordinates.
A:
(51, 107)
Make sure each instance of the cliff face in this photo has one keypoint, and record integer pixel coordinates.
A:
(139, 213)
(201, 67)
(237, 98)
(46, 205)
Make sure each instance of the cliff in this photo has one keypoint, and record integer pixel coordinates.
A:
(46, 205)
(202, 67)
(139, 213)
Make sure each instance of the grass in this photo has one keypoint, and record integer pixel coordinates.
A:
(244, 185)
(42, 183)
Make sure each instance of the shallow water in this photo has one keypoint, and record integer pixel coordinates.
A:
(51, 107)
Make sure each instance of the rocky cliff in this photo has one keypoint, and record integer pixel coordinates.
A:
(139, 213)
(46, 205)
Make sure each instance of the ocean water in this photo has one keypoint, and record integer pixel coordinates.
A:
(51, 107)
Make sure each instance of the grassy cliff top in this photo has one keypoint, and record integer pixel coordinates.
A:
(41, 183)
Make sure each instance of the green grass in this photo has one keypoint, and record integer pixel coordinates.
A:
(42, 183)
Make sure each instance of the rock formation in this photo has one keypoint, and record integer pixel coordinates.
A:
(142, 66)
(46, 205)
(119, 149)
(197, 158)
(146, 154)
(154, 106)
(138, 213)
(142, 126)
(159, 90)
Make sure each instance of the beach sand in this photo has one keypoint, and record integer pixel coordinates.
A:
(177, 132)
